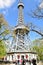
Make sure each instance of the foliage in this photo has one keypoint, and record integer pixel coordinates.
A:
(38, 47)
(2, 49)
(4, 31)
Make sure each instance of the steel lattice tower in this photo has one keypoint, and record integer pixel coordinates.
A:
(21, 32)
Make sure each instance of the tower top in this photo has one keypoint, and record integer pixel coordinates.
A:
(20, 4)
(20, 0)
(21, 25)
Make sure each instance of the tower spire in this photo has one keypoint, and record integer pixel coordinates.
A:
(20, 0)
(20, 14)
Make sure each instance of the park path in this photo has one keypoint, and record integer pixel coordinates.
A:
(40, 63)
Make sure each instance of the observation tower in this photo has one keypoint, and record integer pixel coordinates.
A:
(21, 30)
(21, 43)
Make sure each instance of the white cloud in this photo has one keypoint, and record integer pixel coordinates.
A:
(41, 5)
(6, 3)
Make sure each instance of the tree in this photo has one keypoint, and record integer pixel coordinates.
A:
(4, 31)
(38, 12)
(38, 48)
(2, 49)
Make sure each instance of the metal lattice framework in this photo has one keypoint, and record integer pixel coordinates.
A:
(24, 44)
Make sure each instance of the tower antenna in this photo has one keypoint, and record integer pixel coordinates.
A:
(20, 0)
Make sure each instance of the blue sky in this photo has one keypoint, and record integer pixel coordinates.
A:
(10, 11)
